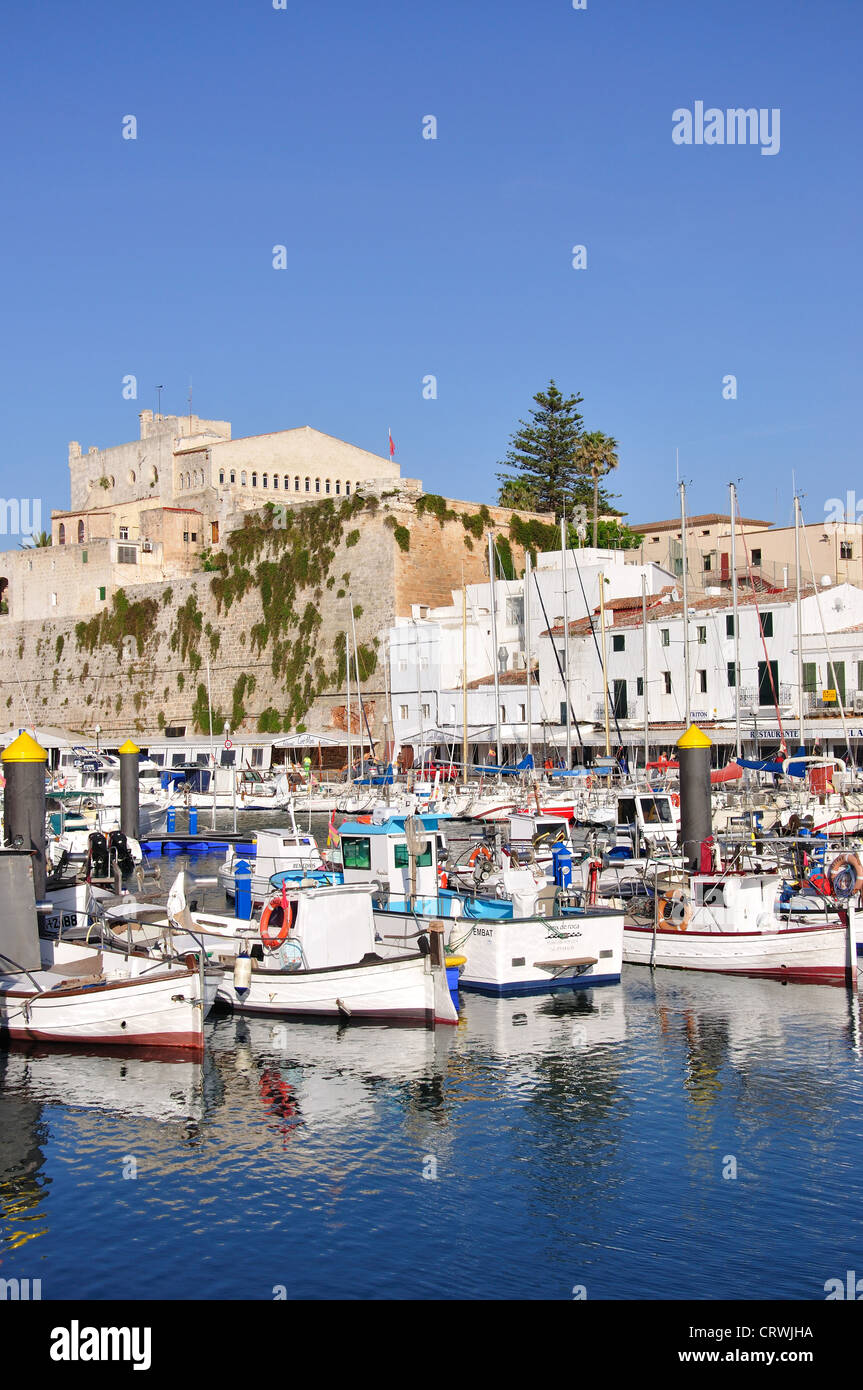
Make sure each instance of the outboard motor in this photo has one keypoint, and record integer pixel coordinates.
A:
(97, 856)
(119, 847)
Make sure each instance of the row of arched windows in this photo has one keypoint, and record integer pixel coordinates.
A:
(283, 482)
(61, 533)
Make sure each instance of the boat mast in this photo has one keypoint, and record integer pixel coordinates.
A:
(604, 676)
(799, 615)
(359, 692)
(463, 679)
(491, 577)
(419, 690)
(527, 655)
(644, 664)
(737, 743)
(563, 549)
(685, 604)
(348, 702)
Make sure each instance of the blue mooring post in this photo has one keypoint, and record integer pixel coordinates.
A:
(193, 820)
(172, 819)
(243, 890)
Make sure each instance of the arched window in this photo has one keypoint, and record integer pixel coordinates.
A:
(188, 480)
(296, 484)
(265, 480)
(61, 535)
(180, 481)
(347, 489)
(221, 475)
(288, 483)
(317, 484)
(338, 487)
(233, 476)
(243, 478)
(275, 480)
(154, 476)
(308, 484)
(131, 475)
(254, 480)
(327, 485)
(80, 533)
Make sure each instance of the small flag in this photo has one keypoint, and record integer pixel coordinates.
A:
(392, 445)
(333, 837)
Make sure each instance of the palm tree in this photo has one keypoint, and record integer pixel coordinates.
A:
(38, 541)
(597, 456)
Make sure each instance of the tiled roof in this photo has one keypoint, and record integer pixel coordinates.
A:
(659, 611)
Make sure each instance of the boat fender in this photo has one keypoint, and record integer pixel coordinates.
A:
(242, 974)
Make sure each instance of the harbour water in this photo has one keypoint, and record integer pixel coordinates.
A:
(676, 1136)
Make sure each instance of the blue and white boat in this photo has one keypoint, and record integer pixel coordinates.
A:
(521, 935)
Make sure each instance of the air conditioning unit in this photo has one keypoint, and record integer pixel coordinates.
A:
(147, 547)
(858, 702)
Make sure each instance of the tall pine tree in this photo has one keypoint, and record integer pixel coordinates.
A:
(545, 460)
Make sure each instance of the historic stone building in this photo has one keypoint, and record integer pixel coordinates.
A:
(169, 560)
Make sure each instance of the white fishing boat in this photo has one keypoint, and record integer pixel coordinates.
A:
(520, 935)
(276, 851)
(314, 954)
(729, 922)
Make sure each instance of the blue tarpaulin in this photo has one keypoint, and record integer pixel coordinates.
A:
(776, 765)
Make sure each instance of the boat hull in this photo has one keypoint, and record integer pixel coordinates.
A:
(164, 1011)
(528, 955)
(398, 991)
(814, 954)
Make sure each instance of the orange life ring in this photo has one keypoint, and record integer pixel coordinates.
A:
(442, 879)
(283, 921)
(675, 799)
(481, 852)
(588, 781)
(674, 911)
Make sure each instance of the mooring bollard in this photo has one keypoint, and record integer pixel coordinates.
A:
(696, 822)
(193, 820)
(172, 819)
(24, 803)
(130, 765)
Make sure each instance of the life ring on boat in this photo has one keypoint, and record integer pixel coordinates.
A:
(442, 879)
(674, 911)
(274, 915)
(481, 852)
(588, 781)
(61, 784)
(840, 876)
(675, 799)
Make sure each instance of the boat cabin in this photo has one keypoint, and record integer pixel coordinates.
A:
(651, 814)
(379, 853)
(734, 902)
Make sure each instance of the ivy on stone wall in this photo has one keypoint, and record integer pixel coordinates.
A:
(122, 619)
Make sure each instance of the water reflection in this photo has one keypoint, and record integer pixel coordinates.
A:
(571, 1139)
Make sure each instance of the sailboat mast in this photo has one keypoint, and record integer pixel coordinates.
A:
(802, 697)
(685, 605)
(737, 743)
(644, 664)
(348, 701)
(463, 679)
(527, 654)
(563, 548)
(491, 577)
(604, 666)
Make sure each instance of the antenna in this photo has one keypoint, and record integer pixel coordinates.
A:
(159, 390)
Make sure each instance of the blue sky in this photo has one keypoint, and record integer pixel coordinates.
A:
(407, 256)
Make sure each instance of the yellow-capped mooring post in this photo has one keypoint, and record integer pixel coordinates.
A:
(130, 765)
(24, 802)
(696, 821)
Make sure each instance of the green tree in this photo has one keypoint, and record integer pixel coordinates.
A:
(38, 541)
(546, 468)
(597, 457)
